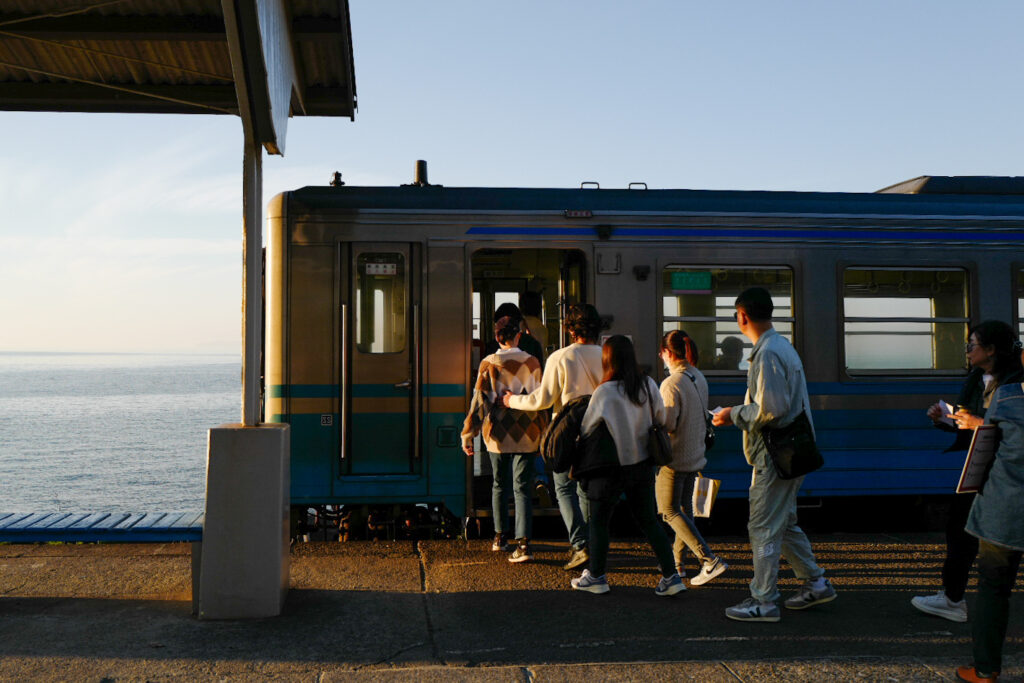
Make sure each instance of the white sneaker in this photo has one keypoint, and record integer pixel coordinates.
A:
(590, 583)
(941, 606)
(753, 609)
(709, 571)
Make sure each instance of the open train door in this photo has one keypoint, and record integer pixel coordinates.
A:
(380, 368)
(543, 283)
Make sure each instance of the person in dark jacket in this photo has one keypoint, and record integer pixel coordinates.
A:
(527, 342)
(993, 352)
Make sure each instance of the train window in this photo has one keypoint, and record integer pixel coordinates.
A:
(380, 309)
(701, 301)
(909, 319)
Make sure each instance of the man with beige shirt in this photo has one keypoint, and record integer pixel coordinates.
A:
(570, 372)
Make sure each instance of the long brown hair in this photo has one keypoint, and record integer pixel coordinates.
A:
(618, 358)
(682, 346)
(1001, 337)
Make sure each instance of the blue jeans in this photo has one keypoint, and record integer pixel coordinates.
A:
(774, 532)
(504, 467)
(574, 508)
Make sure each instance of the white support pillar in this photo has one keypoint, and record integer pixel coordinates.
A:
(244, 556)
(243, 559)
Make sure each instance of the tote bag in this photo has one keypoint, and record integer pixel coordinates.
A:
(705, 490)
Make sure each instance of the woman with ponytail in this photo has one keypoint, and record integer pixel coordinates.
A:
(685, 393)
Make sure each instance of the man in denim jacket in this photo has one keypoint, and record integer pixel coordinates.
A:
(776, 395)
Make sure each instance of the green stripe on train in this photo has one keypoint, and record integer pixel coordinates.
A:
(361, 391)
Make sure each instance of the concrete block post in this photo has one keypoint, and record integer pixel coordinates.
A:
(245, 551)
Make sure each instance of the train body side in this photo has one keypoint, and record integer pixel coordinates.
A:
(360, 438)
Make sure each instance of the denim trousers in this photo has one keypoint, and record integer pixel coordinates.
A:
(574, 508)
(513, 473)
(774, 532)
(674, 493)
(997, 571)
(637, 483)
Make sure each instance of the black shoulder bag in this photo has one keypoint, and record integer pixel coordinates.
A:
(659, 446)
(792, 448)
(596, 455)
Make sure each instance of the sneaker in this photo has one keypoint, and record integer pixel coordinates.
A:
(500, 543)
(709, 571)
(521, 554)
(591, 584)
(753, 609)
(670, 585)
(970, 674)
(577, 558)
(809, 597)
(941, 606)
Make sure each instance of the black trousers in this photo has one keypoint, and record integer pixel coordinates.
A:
(961, 548)
(997, 571)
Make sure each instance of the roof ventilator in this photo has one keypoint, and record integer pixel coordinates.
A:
(420, 179)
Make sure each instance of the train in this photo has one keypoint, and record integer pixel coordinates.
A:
(379, 301)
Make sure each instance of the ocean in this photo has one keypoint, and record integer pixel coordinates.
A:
(110, 432)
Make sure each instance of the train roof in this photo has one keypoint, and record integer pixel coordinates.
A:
(919, 197)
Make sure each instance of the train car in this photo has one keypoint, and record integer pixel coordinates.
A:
(380, 299)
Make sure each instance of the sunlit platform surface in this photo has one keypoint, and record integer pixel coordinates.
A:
(433, 610)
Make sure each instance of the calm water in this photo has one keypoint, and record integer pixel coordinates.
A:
(110, 431)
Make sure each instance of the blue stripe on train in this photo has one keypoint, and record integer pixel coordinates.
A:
(845, 235)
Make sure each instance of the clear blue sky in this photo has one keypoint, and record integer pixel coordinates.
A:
(123, 233)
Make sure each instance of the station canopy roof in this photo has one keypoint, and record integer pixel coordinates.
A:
(168, 56)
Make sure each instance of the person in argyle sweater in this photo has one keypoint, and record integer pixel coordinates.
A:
(511, 436)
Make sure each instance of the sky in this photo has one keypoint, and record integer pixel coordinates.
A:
(122, 233)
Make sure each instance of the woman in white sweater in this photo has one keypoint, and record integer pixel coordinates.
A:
(685, 392)
(625, 402)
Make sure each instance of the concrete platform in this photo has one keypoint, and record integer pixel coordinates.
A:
(452, 610)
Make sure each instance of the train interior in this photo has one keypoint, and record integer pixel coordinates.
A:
(542, 283)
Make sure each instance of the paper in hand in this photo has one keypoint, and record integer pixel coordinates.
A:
(947, 410)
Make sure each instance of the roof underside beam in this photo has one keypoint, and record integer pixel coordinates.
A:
(98, 27)
(133, 98)
(170, 28)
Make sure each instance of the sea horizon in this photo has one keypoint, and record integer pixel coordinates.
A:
(111, 431)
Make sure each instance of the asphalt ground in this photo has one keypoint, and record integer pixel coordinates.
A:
(454, 610)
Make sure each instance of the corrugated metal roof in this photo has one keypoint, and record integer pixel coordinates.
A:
(159, 56)
(963, 184)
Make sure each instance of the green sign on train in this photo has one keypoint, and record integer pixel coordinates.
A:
(699, 281)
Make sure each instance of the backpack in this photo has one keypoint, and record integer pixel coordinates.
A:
(560, 439)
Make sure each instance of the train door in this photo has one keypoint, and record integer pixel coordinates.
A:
(543, 283)
(380, 382)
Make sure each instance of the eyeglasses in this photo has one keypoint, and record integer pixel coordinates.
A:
(970, 347)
